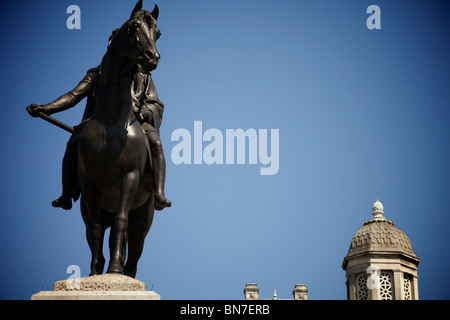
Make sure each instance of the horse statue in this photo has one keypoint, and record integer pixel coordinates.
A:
(114, 173)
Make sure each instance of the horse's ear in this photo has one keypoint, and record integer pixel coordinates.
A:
(155, 12)
(137, 7)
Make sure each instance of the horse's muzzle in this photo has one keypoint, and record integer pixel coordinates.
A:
(153, 55)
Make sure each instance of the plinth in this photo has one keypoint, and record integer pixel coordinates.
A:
(99, 287)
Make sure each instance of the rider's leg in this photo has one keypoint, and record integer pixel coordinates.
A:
(65, 200)
(159, 170)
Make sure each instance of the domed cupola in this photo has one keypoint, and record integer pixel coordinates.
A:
(380, 263)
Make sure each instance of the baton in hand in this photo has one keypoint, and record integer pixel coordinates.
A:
(55, 122)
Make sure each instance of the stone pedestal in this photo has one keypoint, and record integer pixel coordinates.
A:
(101, 287)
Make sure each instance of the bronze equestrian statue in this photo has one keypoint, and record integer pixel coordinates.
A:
(114, 158)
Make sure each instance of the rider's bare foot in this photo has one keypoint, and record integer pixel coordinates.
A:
(63, 202)
(161, 202)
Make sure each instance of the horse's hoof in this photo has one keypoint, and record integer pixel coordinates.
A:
(115, 268)
(130, 272)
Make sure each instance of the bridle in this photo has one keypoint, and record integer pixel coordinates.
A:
(132, 65)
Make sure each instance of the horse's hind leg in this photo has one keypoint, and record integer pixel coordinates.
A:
(140, 221)
(118, 235)
(94, 233)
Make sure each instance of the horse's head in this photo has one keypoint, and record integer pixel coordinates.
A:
(142, 33)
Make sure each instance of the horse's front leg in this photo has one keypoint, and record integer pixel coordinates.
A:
(118, 236)
(139, 225)
(94, 232)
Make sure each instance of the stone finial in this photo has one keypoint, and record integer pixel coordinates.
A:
(251, 291)
(377, 210)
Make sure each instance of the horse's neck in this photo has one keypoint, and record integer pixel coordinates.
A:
(113, 97)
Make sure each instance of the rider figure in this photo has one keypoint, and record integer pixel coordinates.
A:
(148, 110)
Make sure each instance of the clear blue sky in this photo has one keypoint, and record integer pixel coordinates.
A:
(361, 114)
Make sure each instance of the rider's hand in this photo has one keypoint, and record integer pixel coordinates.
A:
(34, 109)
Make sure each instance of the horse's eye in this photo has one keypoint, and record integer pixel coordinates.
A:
(135, 25)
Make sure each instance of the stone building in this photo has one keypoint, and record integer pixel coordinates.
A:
(381, 264)
(251, 292)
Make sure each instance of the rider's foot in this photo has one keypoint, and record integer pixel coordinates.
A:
(63, 202)
(161, 202)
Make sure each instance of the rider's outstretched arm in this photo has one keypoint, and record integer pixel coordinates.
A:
(67, 100)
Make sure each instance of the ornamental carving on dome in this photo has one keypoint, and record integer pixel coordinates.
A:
(377, 235)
